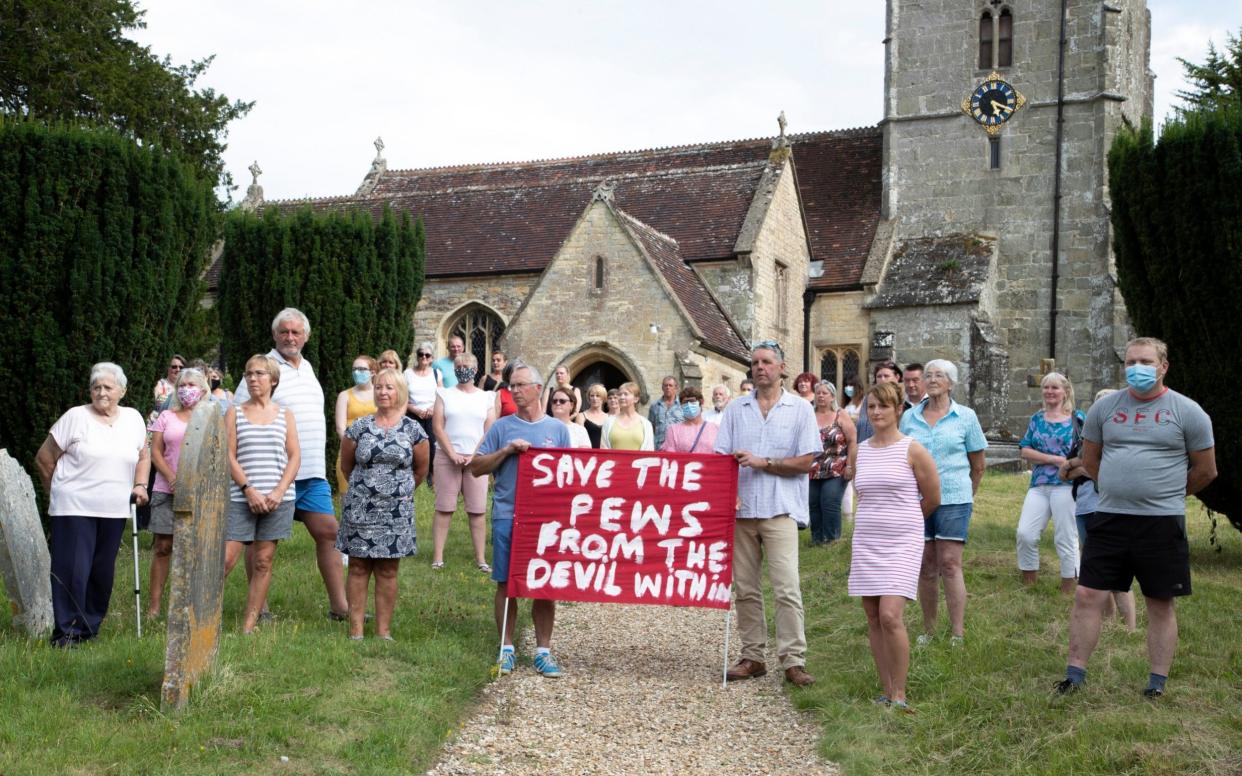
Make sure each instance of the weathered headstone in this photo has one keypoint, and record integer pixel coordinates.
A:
(196, 577)
(24, 560)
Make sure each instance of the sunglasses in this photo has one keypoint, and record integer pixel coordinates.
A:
(561, 401)
(424, 355)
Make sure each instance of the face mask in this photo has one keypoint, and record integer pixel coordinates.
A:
(1141, 377)
(215, 383)
(849, 391)
(189, 395)
(464, 374)
(690, 410)
(362, 376)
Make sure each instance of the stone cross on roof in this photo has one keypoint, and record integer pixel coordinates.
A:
(254, 192)
(255, 171)
(379, 148)
(780, 120)
(604, 192)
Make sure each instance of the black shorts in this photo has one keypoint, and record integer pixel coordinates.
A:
(1151, 549)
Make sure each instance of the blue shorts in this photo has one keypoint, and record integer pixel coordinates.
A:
(313, 495)
(502, 534)
(948, 523)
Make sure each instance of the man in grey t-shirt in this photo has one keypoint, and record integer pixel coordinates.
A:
(1147, 448)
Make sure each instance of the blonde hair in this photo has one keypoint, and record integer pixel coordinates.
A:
(888, 395)
(398, 380)
(193, 377)
(1162, 350)
(1067, 404)
(268, 363)
(597, 389)
(389, 355)
(633, 390)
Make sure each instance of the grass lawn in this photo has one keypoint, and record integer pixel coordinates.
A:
(298, 688)
(987, 707)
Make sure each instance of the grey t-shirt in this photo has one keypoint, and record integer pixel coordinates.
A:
(1145, 446)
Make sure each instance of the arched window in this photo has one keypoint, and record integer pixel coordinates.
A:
(1004, 39)
(828, 366)
(985, 40)
(480, 329)
(849, 366)
(597, 276)
(840, 364)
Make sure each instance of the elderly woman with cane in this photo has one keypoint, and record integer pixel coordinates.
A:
(92, 463)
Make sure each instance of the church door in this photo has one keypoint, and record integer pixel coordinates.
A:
(601, 372)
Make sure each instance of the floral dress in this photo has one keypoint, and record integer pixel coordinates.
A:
(377, 516)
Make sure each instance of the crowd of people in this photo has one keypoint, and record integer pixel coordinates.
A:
(1112, 481)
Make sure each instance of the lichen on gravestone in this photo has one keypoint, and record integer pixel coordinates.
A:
(25, 563)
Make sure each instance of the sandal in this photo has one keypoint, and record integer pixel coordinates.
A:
(486, 569)
(437, 565)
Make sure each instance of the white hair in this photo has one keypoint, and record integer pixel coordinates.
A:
(832, 389)
(939, 364)
(725, 388)
(110, 369)
(291, 313)
(535, 377)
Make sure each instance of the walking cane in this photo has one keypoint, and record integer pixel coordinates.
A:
(133, 516)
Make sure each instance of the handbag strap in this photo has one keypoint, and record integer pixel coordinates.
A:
(695, 444)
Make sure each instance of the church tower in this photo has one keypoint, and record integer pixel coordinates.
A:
(998, 117)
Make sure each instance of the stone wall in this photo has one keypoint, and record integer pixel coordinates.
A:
(443, 298)
(937, 178)
(781, 239)
(839, 319)
(566, 320)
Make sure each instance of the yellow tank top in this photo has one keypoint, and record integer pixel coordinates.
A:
(357, 408)
(621, 438)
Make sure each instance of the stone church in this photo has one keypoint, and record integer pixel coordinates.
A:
(971, 223)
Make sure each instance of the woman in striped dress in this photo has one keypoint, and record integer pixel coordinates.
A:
(263, 460)
(897, 487)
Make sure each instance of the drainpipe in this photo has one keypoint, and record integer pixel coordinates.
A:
(1056, 189)
(808, 298)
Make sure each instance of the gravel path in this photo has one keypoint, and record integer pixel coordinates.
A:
(643, 684)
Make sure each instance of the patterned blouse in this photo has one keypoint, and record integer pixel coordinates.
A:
(1053, 439)
(831, 462)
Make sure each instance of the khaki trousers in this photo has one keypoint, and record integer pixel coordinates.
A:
(777, 539)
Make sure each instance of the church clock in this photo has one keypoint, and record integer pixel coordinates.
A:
(992, 103)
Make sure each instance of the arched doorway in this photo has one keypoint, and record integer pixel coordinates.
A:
(601, 372)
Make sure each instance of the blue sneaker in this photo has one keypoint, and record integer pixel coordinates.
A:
(507, 661)
(546, 665)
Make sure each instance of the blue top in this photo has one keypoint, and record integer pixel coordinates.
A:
(545, 432)
(1052, 439)
(788, 431)
(444, 367)
(955, 435)
(663, 416)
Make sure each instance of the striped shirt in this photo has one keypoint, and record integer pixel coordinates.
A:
(300, 392)
(261, 453)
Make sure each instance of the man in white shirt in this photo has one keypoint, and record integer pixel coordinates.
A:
(300, 392)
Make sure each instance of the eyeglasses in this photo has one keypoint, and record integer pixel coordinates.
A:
(256, 374)
(561, 401)
(174, 367)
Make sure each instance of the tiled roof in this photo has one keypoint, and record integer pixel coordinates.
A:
(505, 218)
(949, 269)
(840, 184)
(718, 334)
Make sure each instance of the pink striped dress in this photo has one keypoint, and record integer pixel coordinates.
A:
(888, 528)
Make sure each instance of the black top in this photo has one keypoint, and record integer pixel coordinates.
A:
(593, 431)
(490, 383)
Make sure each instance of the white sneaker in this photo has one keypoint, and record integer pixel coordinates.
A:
(923, 640)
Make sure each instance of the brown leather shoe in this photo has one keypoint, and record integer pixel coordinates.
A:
(746, 669)
(798, 676)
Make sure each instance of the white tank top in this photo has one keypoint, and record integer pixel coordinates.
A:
(464, 415)
(422, 389)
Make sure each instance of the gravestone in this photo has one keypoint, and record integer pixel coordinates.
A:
(24, 560)
(196, 576)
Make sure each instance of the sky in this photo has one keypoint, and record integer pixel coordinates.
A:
(509, 80)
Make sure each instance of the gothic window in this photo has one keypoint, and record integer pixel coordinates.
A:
(480, 329)
(597, 276)
(1004, 39)
(839, 365)
(782, 296)
(994, 153)
(985, 40)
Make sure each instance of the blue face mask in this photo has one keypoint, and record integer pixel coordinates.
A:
(849, 391)
(362, 376)
(690, 410)
(1141, 377)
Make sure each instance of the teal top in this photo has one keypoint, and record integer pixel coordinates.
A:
(955, 435)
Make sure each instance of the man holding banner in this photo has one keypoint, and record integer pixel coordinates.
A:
(497, 453)
(774, 438)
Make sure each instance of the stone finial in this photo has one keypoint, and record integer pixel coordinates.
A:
(781, 122)
(254, 192)
(604, 192)
(379, 166)
(379, 148)
(780, 145)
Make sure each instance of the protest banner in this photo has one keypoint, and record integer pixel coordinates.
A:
(622, 526)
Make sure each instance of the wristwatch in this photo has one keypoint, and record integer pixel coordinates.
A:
(769, 463)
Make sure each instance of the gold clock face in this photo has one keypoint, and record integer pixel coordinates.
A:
(993, 103)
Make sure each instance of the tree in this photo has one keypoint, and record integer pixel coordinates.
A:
(102, 244)
(1177, 225)
(358, 279)
(1217, 82)
(69, 60)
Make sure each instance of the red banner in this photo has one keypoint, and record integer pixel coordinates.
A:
(624, 526)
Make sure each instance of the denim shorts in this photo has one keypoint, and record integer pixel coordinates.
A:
(949, 522)
(502, 535)
(245, 526)
(313, 495)
(161, 514)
